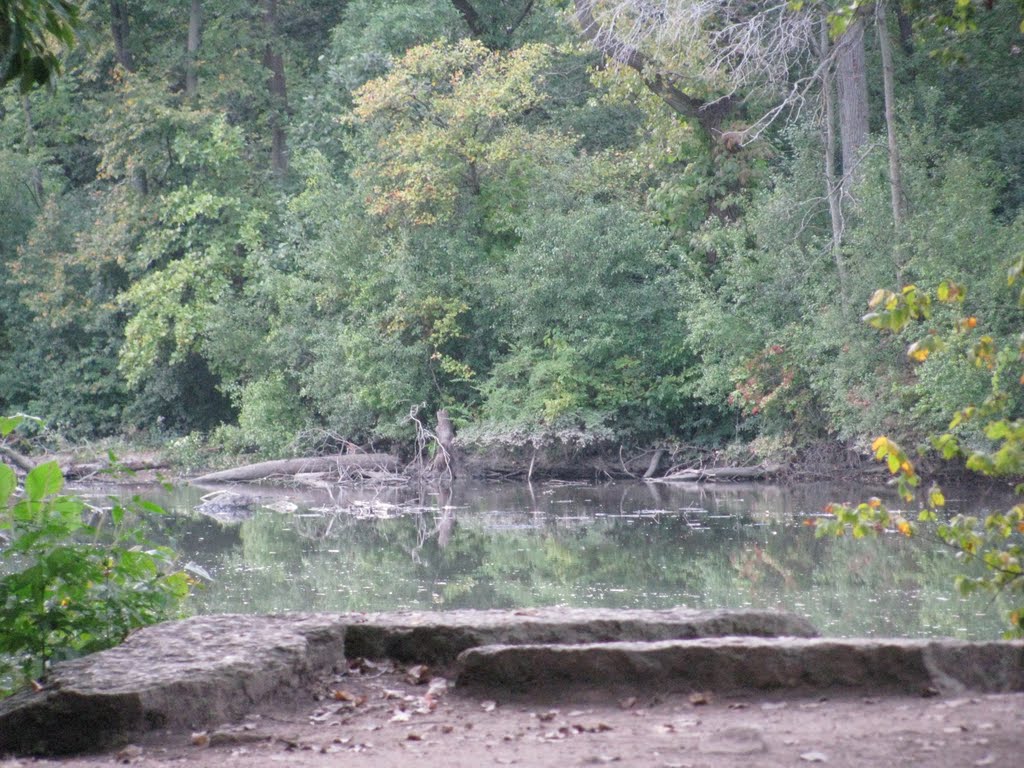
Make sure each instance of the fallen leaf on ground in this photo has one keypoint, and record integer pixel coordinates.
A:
(814, 757)
(129, 753)
(200, 739)
(598, 728)
(352, 698)
(627, 703)
(427, 705)
(418, 675)
(488, 706)
(699, 699)
(547, 717)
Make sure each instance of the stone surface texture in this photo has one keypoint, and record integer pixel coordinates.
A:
(749, 663)
(438, 638)
(174, 675)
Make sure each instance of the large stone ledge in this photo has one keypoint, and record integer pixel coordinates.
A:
(175, 675)
(743, 664)
(209, 669)
(438, 638)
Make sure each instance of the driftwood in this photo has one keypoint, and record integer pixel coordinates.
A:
(22, 462)
(719, 474)
(445, 460)
(652, 468)
(359, 462)
(74, 469)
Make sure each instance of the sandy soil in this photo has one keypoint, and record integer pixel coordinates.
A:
(378, 716)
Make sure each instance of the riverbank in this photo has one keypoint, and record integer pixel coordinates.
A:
(186, 459)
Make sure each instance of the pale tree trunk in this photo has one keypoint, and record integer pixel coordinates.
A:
(888, 88)
(446, 460)
(195, 22)
(278, 90)
(832, 187)
(851, 76)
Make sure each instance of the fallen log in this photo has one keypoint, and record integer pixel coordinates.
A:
(22, 462)
(718, 474)
(77, 468)
(338, 464)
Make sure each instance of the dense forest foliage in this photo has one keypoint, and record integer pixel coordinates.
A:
(588, 223)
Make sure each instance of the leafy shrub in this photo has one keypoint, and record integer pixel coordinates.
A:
(997, 541)
(69, 588)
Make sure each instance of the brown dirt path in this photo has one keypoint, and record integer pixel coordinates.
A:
(379, 717)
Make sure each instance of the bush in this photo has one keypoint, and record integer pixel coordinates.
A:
(995, 450)
(68, 588)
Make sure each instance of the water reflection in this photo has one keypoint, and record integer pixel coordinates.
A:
(617, 545)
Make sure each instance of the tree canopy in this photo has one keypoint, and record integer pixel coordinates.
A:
(591, 224)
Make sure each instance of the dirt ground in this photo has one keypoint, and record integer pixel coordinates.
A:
(376, 715)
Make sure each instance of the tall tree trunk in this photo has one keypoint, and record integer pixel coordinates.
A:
(851, 76)
(906, 30)
(195, 22)
(888, 88)
(278, 90)
(119, 29)
(832, 187)
(36, 178)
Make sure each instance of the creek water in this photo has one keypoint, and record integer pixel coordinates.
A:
(618, 545)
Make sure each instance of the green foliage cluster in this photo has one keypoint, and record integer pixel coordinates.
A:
(459, 205)
(68, 587)
(997, 540)
(31, 33)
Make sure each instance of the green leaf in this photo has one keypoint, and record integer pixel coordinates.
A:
(9, 423)
(8, 482)
(45, 480)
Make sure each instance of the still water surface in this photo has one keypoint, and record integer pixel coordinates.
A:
(507, 545)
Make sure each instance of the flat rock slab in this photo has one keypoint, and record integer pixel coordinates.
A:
(175, 675)
(438, 638)
(734, 664)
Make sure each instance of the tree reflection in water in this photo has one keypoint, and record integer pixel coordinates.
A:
(632, 545)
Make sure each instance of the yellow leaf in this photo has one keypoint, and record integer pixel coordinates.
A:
(903, 527)
(874, 502)
(936, 499)
(918, 353)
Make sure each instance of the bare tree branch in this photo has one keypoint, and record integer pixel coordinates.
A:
(603, 37)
